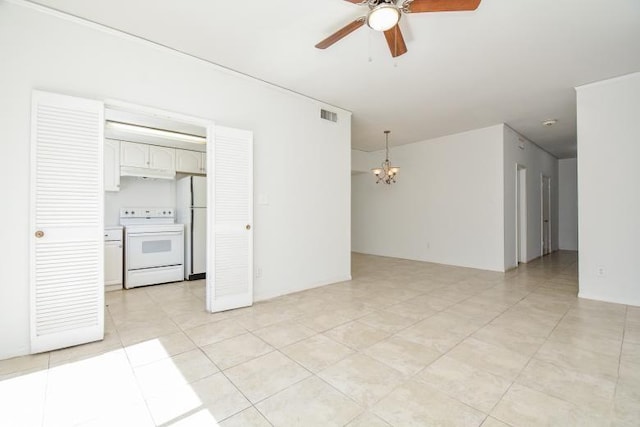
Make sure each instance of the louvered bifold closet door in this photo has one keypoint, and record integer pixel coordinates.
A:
(67, 272)
(230, 272)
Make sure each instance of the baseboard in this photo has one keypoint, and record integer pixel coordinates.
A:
(339, 279)
(607, 299)
(22, 351)
(430, 261)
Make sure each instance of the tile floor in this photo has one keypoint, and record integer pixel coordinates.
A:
(403, 343)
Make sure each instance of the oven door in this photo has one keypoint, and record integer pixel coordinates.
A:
(159, 249)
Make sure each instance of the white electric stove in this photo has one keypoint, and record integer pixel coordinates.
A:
(154, 246)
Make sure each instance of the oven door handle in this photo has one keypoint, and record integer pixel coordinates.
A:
(156, 234)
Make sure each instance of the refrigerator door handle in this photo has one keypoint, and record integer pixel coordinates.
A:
(191, 194)
(191, 271)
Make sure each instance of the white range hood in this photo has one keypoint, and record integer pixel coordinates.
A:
(147, 173)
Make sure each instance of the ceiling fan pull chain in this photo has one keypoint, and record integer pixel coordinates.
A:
(369, 46)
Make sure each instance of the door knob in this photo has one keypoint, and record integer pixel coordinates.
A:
(248, 227)
(39, 234)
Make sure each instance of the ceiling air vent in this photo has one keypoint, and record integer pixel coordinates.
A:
(328, 115)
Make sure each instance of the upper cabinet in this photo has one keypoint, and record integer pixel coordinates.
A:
(147, 156)
(133, 154)
(137, 159)
(162, 158)
(188, 161)
(144, 160)
(111, 165)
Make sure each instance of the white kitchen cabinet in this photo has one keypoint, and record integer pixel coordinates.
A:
(133, 154)
(188, 161)
(162, 158)
(111, 165)
(113, 258)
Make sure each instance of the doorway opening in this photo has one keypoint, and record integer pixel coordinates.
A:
(521, 214)
(545, 204)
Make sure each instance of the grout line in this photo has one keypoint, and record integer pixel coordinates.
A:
(46, 391)
(624, 332)
(376, 310)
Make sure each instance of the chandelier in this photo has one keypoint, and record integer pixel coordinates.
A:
(387, 173)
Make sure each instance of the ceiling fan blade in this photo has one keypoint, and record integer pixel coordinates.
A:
(417, 6)
(341, 33)
(395, 41)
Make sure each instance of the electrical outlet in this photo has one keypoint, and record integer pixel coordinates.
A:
(258, 272)
(601, 271)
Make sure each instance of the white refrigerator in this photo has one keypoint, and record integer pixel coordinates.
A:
(191, 198)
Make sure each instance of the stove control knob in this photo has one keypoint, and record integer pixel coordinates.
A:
(126, 212)
(164, 212)
(133, 212)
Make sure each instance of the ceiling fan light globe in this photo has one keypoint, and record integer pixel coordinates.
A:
(383, 17)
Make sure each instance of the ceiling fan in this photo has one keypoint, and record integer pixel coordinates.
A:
(384, 15)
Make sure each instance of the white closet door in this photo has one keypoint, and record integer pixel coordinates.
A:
(230, 267)
(67, 248)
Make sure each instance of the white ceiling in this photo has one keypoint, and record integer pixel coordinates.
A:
(511, 61)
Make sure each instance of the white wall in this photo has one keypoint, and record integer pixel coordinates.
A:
(302, 236)
(537, 162)
(446, 206)
(568, 204)
(138, 192)
(609, 189)
(361, 161)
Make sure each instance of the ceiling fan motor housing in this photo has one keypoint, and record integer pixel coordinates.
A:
(383, 16)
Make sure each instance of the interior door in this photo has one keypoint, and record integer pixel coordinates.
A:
(230, 245)
(67, 246)
(546, 215)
